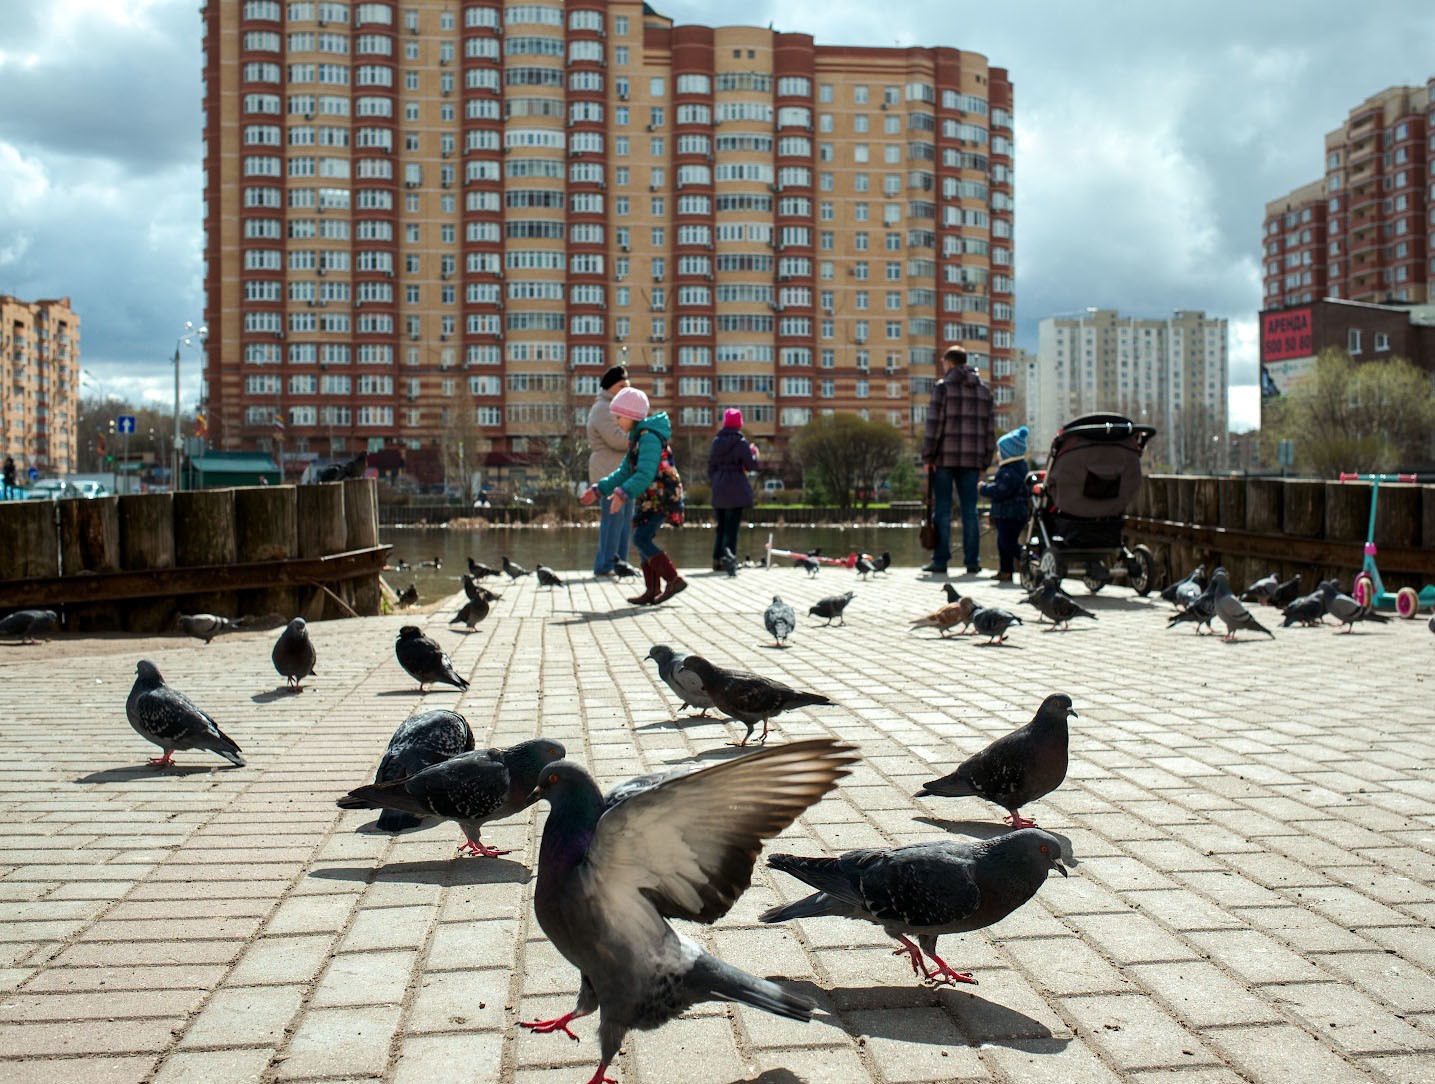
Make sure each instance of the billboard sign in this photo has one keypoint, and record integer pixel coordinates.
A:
(1286, 334)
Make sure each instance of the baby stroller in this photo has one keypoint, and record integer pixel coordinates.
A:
(1092, 474)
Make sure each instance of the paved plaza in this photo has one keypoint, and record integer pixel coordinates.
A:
(1252, 828)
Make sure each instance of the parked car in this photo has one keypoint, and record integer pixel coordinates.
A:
(51, 489)
(93, 489)
(772, 485)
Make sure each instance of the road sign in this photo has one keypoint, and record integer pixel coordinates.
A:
(125, 423)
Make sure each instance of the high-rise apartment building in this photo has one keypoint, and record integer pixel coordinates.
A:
(1169, 372)
(39, 384)
(439, 221)
(1360, 233)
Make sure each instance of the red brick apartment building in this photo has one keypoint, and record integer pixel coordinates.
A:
(434, 221)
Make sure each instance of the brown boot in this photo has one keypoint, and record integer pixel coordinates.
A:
(664, 564)
(651, 582)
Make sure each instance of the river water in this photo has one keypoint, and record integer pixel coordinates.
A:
(570, 548)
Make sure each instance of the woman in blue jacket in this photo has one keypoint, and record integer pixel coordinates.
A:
(634, 480)
(729, 460)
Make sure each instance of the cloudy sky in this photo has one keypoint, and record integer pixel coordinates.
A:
(1149, 137)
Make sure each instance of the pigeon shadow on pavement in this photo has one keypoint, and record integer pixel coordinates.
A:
(992, 829)
(582, 617)
(283, 692)
(773, 1076)
(678, 722)
(447, 871)
(999, 643)
(131, 773)
(415, 691)
(717, 752)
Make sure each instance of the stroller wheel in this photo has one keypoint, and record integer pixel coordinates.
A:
(1141, 571)
(1030, 571)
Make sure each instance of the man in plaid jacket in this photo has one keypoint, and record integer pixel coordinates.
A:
(961, 440)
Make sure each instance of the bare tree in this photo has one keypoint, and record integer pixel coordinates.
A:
(846, 453)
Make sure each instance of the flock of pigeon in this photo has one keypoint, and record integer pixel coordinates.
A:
(1200, 602)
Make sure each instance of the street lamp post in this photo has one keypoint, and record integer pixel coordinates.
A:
(176, 481)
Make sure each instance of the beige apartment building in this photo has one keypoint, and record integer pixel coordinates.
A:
(1169, 372)
(435, 223)
(1364, 231)
(39, 384)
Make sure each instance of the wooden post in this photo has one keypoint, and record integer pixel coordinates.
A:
(29, 545)
(1347, 513)
(147, 542)
(266, 529)
(1265, 505)
(90, 542)
(361, 519)
(322, 530)
(204, 534)
(1427, 516)
(1185, 503)
(1231, 502)
(1205, 501)
(1160, 507)
(1397, 523)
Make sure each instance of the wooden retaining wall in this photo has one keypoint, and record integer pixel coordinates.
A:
(1254, 526)
(136, 561)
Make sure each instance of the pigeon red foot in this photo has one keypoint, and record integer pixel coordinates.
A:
(558, 1023)
(946, 973)
(914, 955)
(164, 761)
(1016, 820)
(472, 848)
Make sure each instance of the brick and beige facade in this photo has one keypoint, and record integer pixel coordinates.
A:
(433, 219)
(1360, 232)
(39, 384)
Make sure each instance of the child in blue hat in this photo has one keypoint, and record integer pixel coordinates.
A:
(1008, 494)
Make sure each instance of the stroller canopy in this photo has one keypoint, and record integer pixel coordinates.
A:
(1094, 468)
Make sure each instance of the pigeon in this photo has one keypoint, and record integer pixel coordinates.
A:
(205, 626)
(1232, 611)
(1285, 592)
(864, 567)
(953, 613)
(294, 654)
(882, 562)
(993, 622)
(808, 565)
(1173, 592)
(470, 788)
(748, 697)
(423, 660)
(832, 606)
(1308, 611)
(624, 571)
(1431, 624)
(480, 571)
(926, 889)
(953, 595)
(780, 620)
(1054, 603)
(1345, 609)
(476, 592)
(170, 719)
(548, 578)
(684, 847)
(408, 596)
(420, 742)
(1188, 594)
(684, 682)
(29, 624)
(1201, 610)
(514, 569)
(728, 561)
(337, 472)
(1261, 589)
(474, 611)
(1017, 768)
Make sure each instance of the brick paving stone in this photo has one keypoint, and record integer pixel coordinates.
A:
(1241, 859)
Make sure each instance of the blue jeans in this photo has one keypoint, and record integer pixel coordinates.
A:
(965, 480)
(615, 530)
(725, 537)
(643, 537)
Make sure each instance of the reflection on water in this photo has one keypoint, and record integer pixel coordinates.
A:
(571, 548)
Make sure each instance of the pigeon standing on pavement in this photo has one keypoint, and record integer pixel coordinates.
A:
(171, 720)
(953, 595)
(624, 571)
(423, 659)
(864, 567)
(1306, 611)
(882, 562)
(1286, 592)
(514, 569)
(478, 570)
(1017, 768)
(749, 698)
(808, 565)
(294, 655)
(476, 592)
(832, 606)
(1261, 590)
(1431, 625)
(684, 682)
(548, 578)
(1177, 591)
(1200, 610)
(1345, 609)
(1054, 603)
(728, 561)
(1232, 611)
(474, 611)
(205, 626)
(684, 847)
(420, 742)
(925, 889)
(944, 618)
(473, 789)
(29, 624)
(993, 622)
(780, 620)
(409, 596)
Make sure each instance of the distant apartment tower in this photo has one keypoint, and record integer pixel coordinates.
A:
(1169, 372)
(1364, 231)
(436, 221)
(39, 384)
